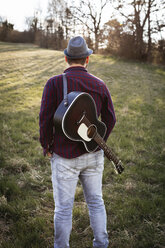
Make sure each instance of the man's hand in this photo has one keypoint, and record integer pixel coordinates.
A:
(49, 154)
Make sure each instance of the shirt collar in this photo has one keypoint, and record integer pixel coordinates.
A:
(75, 68)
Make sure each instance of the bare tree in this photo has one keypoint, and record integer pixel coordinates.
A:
(60, 12)
(68, 22)
(139, 20)
(112, 34)
(56, 10)
(90, 15)
(5, 30)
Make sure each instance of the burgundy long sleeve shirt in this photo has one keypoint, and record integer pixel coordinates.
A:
(78, 79)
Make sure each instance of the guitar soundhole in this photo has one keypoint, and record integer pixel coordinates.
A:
(91, 131)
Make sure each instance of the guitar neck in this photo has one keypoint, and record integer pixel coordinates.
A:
(92, 133)
(107, 151)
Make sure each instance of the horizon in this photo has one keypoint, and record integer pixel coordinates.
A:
(16, 12)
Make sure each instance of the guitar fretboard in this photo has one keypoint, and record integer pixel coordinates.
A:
(108, 152)
(99, 140)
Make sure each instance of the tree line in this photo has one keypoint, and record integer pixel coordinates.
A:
(135, 29)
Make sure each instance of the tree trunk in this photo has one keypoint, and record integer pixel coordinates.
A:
(149, 32)
(96, 42)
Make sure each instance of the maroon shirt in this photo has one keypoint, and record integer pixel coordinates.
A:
(78, 79)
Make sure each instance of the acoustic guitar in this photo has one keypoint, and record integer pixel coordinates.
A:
(78, 120)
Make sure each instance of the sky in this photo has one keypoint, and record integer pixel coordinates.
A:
(15, 11)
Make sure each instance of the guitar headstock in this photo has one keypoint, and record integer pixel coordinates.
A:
(119, 168)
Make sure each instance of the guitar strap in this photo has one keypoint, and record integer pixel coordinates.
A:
(65, 89)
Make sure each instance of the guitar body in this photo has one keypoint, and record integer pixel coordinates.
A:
(67, 119)
(77, 119)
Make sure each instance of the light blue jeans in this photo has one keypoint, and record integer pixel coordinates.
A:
(65, 175)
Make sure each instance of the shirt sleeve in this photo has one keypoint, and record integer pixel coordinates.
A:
(108, 113)
(46, 116)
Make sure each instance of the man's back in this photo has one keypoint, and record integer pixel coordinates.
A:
(78, 79)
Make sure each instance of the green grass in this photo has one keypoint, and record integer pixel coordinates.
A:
(135, 200)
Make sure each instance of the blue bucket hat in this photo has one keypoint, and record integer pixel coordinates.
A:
(77, 48)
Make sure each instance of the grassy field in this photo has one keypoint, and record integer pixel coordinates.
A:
(135, 200)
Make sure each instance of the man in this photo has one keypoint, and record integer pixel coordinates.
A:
(69, 159)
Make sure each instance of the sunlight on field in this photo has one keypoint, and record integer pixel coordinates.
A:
(24, 74)
(134, 201)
